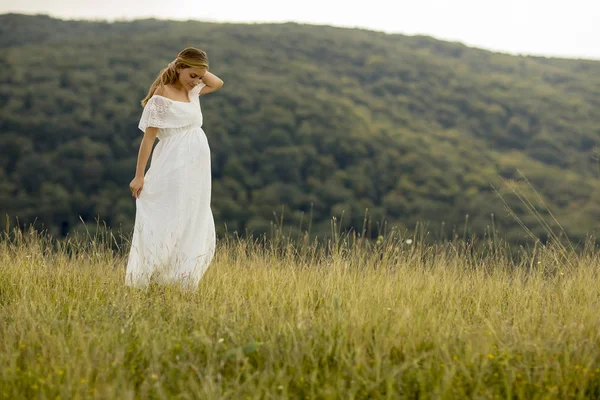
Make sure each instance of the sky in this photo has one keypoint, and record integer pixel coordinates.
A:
(556, 28)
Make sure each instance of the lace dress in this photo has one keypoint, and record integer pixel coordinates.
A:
(174, 232)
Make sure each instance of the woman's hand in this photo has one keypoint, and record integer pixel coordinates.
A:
(136, 186)
(212, 82)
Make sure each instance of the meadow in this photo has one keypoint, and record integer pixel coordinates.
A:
(296, 319)
(409, 127)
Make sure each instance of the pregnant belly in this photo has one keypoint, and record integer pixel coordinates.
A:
(182, 157)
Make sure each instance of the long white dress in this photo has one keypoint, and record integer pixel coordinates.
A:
(174, 232)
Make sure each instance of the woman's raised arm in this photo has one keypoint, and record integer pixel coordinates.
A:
(212, 82)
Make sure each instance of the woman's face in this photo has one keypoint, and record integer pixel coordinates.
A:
(191, 77)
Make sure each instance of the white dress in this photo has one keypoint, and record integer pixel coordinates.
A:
(174, 231)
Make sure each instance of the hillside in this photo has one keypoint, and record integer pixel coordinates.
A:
(318, 120)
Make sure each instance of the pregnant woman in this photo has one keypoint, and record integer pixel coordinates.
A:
(174, 234)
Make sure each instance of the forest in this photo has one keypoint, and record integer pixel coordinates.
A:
(313, 123)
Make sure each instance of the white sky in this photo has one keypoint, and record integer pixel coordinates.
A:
(542, 27)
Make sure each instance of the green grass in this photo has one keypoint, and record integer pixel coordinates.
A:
(354, 320)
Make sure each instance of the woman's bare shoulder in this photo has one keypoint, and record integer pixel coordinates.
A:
(161, 91)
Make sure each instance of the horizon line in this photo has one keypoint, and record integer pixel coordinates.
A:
(110, 20)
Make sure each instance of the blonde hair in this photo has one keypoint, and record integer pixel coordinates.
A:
(189, 57)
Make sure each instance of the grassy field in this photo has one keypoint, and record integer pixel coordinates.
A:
(351, 320)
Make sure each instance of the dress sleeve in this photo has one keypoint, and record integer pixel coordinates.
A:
(196, 90)
(156, 114)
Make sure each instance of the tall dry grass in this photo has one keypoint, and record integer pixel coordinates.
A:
(292, 319)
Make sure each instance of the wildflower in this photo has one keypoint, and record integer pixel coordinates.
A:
(221, 340)
(154, 376)
(409, 241)
(491, 356)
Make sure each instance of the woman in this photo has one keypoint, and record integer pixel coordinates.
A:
(174, 233)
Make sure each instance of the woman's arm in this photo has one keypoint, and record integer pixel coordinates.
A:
(137, 183)
(212, 82)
